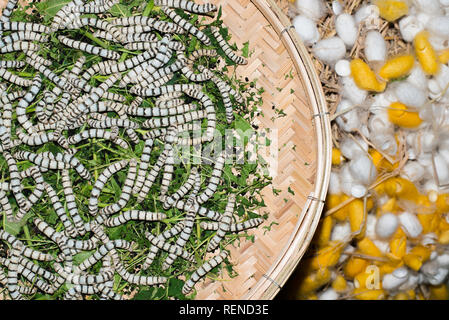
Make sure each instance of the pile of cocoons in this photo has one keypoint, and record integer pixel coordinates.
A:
(384, 232)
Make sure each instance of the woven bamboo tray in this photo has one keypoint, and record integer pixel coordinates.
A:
(304, 157)
(264, 266)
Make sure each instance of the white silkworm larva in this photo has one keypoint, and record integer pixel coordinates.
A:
(167, 234)
(187, 5)
(234, 227)
(98, 51)
(214, 179)
(100, 183)
(226, 48)
(187, 26)
(203, 270)
(126, 191)
(172, 249)
(134, 215)
(223, 225)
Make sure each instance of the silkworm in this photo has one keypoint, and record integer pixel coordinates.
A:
(25, 102)
(11, 64)
(167, 234)
(152, 175)
(134, 215)
(226, 48)
(126, 191)
(21, 36)
(234, 227)
(98, 51)
(19, 46)
(27, 252)
(172, 249)
(203, 270)
(8, 76)
(102, 251)
(214, 180)
(182, 191)
(100, 183)
(223, 225)
(201, 53)
(50, 75)
(210, 112)
(191, 210)
(6, 13)
(23, 26)
(187, 26)
(96, 133)
(187, 5)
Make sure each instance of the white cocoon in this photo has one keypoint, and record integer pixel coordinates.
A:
(409, 27)
(443, 260)
(329, 294)
(441, 169)
(411, 283)
(306, 30)
(358, 190)
(342, 68)
(329, 50)
(392, 281)
(363, 169)
(334, 183)
(379, 123)
(313, 9)
(437, 278)
(350, 150)
(346, 29)
(350, 120)
(341, 232)
(366, 12)
(439, 26)
(386, 225)
(371, 222)
(417, 77)
(413, 171)
(375, 46)
(352, 92)
(337, 8)
(346, 180)
(410, 223)
(410, 95)
(385, 142)
(442, 78)
(438, 42)
(431, 7)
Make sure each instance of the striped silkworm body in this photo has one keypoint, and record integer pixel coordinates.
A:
(134, 215)
(98, 51)
(224, 224)
(214, 180)
(203, 270)
(226, 48)
(187, 26)
(187, 5)
(172, 249)
(167, 234)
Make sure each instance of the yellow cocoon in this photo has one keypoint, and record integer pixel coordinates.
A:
(425, 53)
(439, 292)
(366, 294)
(443, 56)
(429, 222)
(366, 246)
(391, 10)
(398, 245)
(401, 188)
(354, 266)
(313, 281)
(417, 256)
(327, 256)
(339, 284)
(324, 230)
(336, 157)
(334, 200)
(356, 217)
(397, 67)
(364, 77)
(443, 203)
(380, 162)
(399, 115)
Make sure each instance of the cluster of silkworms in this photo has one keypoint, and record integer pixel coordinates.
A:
(66, 108)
